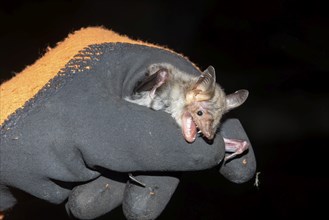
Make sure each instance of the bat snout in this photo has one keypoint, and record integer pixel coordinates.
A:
(209, 135)
(207, 132)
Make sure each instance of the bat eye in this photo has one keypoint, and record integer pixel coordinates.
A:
(200, 113)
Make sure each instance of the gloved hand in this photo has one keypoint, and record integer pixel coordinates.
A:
(101, 195)
(77, 127)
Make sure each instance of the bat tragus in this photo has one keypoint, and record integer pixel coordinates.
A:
(197, 103)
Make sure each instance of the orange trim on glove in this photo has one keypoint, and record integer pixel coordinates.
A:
(25, 85)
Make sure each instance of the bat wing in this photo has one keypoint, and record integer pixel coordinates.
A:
(153, 82)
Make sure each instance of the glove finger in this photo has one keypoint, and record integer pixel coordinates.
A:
(7, 199)
(148, 202)
(243, 168)
(96, 198)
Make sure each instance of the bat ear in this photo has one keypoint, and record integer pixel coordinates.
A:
(236, 99)
(204, 88)
(207, 81)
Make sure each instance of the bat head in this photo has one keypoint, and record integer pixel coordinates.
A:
(205, 105)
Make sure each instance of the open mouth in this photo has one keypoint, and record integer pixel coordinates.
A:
(189, 128)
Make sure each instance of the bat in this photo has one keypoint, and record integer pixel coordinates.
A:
(197, 103)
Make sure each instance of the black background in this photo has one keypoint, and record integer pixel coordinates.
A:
(278, 50)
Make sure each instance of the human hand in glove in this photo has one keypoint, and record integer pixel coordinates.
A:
(67, 127)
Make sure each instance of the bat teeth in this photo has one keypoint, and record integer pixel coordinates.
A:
(199, 132)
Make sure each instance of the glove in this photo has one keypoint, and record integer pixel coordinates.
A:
(94, 199)
(75, 131)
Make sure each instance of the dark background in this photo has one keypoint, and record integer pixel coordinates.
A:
(278, 50)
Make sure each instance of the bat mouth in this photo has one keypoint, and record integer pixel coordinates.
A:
(198, 130)
(190, 129)
(201, 134)
(204, 134)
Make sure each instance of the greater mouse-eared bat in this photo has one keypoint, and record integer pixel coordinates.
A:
(197, 103)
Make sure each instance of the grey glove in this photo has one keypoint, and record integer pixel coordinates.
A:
(78, 127)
